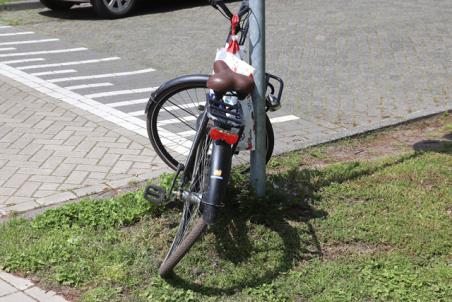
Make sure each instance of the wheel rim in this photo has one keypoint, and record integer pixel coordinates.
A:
(199, 183)
(176, 118)
(117, 6)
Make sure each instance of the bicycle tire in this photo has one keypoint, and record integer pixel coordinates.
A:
(166, 93)
(191, 224)
(168, 264)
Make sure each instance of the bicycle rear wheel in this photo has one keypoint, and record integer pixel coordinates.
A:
(172, 114)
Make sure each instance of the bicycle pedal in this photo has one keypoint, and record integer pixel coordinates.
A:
(155, 194)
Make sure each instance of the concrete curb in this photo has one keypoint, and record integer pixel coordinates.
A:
(21, 5)
(90, 192)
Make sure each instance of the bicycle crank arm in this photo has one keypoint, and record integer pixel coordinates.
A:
(191, 197)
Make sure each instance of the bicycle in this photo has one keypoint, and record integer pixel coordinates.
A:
(216, 125)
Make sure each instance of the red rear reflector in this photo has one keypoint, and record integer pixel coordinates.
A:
(230, 138)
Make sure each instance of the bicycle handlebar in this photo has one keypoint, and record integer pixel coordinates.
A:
(219, 4)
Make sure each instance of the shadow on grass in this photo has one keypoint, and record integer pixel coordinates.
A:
(440, 146)
(291, 197)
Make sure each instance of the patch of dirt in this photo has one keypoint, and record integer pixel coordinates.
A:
(337, 251)
(426, 134)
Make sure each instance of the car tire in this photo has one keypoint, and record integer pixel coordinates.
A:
(57, 4)
(113, 9)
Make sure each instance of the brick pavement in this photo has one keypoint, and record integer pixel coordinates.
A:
(51, 152)
(16, 289)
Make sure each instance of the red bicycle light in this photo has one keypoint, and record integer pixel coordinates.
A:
(215, 134)
(230, 138)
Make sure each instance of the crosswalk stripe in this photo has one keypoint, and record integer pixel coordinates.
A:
(177, 120)
(282, 119)
(93, 85)
(120, 92)
(44, 52)
(22, 61)
(28, 42)
(168, 108)
(99, 76)
(54, 72)
(17, 34)
(68, 63)
(126, 103)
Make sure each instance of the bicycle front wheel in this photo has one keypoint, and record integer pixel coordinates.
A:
(191, 225)
(172, 115)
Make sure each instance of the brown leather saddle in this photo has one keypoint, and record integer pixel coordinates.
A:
(225, 80)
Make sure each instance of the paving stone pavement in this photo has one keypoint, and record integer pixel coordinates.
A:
(51, 152)
(349, 66)
(16, 289)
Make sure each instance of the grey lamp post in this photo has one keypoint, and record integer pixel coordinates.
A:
(257, 59)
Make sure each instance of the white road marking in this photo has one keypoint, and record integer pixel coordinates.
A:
(187, 133)
(284, 118)
(125, 103)
(45, 52)
(54, 72)
(174, 141)
(22, 61)
(136, 113)
(188, 118)
(171, 140)
(17, 34)
(177, 107)
(68, 63)
(28, 42)
(75, 87)
(120, 92)
(99, 76)
(5, 26)
(7, 48)
(169, 108)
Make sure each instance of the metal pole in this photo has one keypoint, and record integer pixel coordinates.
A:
(257, 59)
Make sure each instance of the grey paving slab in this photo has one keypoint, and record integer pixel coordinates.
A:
(17, 297)
(17, 289)
(6, 289)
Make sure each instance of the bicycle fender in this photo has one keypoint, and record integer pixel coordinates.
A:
(220, 169)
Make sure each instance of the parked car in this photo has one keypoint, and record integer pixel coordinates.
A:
(104, 8)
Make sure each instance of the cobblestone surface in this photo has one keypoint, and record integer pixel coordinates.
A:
(51, 152)
(16, 289)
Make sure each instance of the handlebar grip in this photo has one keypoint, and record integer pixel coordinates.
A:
(224, 8)
(244, 8)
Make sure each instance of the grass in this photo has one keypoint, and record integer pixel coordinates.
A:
(370, 230)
